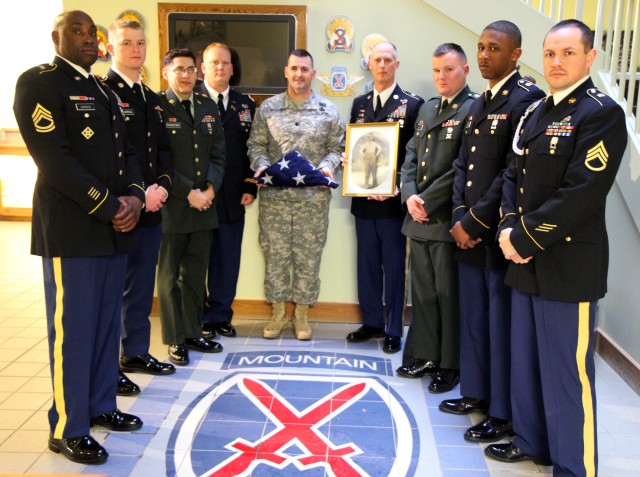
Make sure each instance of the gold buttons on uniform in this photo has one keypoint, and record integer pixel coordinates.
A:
(116, 135)
(120, 154)
(198, 173)
(86, 115)
(520, 209)
(197, 159)
(148, 134)
(424, 178)
(526, 151)
(426, 150)
(552, 151)
(568, 239)
(428, 136)
(150, 149)
(473, 149)
(469, 183)
(471, 166)
(424, 163)
(120, 172)
(194, 132)
(173, 132)
(195, 146)
(477, 131)
(521, 190)
(150, 164)
(524, 172)
(127, 118)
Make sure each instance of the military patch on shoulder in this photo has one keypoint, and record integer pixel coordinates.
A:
(596, 95)
(42, 119)
(597, 158)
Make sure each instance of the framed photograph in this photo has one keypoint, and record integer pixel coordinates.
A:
(260, 38)
(372, 150)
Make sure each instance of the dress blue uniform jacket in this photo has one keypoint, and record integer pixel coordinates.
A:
(555, 194)
(84, 162)
(148, 136)
(477, 187)
(401, 107)
(237, 126)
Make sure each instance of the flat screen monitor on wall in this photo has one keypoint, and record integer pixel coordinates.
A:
(260, 45)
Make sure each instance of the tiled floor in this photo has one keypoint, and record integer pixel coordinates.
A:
(207, 418)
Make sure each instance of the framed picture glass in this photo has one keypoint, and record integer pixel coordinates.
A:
(372, 150)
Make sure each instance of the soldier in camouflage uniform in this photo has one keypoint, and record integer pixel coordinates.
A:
(294, 221)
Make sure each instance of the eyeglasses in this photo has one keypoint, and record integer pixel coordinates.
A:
(179, 70)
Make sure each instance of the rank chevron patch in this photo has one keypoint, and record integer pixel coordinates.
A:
(597, 158)
(42, 119)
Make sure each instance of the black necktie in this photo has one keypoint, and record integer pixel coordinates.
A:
(187, 106)
(137, 89)
(487, 96)
(548, 104)
(444, 105)
(221, 105)
(378, 105)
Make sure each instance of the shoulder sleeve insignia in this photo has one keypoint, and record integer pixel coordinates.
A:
(597, 158)
(42, 119)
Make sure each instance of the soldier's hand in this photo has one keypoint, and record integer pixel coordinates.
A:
(344, 159)
(462, 239)
(198, 200)
(508, 249)
(154, 198)
(327, 172)
(258, 173)
(246, 199)
(415, 209)
(128, 215)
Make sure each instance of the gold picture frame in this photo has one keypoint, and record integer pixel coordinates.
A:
(372, 155)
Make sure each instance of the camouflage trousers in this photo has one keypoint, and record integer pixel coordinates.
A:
(292, 236)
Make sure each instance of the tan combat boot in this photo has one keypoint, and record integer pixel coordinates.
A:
(300, 323)
(278, 322)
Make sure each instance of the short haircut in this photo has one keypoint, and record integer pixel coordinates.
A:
(211, 46)
(122, 24)
(587, 33)
(445, 48)
(393, 47)
(509, 29)
(301, 53)
(174, 53)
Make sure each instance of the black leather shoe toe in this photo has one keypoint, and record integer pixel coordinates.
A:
(179, 354)
(392, 344)
(226, 329)
(209, 330)
(145, 363)
(491, 429)
(365, 333)
(203, 344)
(126, 387)
(84, 450)
(117, 421)
(445, 381)
(419, 368)
(464, 405)
(510, 453)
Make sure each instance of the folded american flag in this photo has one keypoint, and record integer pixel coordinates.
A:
(293, 170)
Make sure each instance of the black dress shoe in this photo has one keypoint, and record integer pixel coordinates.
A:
(444, 381)
(491, 429)
(510, 453)
(464, 405)
(117, 421)
(225, 329)
(179, 354)
(145, 363)
(84, 450)
(419, 368)
(209, 330)
(126, 387)
(365, 333)
(392, 344)
(203, 344)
